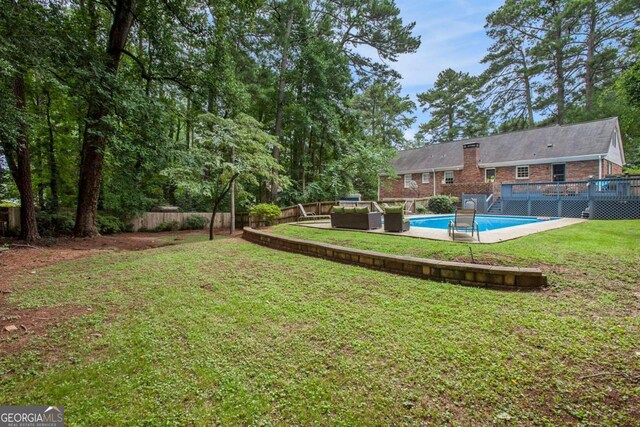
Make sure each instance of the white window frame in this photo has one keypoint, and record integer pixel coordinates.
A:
(495, 173)
(425, 177)
(444, 177)
(615, 138)
(407, 182)
(528, 172)
(609, 168)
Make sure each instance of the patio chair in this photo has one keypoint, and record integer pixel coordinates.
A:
(464, 220)
(304, 215)
(394, 219)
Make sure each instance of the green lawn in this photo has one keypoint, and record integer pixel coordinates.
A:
(228, 333)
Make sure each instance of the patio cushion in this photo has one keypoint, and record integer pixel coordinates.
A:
(393, 209)
(338, 209)
(363, 210)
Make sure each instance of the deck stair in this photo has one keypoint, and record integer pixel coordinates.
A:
(496, 207)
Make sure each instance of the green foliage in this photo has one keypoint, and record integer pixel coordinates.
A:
(266, 213)
(194, 222)
(54, 224)
(167, 226)
(442, 204)
(8, 204)
(421, 209)
(108, 224)
(454, 108)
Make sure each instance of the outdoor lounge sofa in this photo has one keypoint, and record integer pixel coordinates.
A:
(355, 218)
(394, 219)
(464, 220)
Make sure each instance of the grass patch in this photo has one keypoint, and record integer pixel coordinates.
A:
(231, 333)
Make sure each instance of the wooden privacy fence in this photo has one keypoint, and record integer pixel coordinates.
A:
(151, 220)
(9, 220)
(292, 213)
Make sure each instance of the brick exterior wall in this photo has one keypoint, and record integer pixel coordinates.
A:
(470, 180)
(394, 188)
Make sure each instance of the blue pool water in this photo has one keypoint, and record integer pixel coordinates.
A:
(485, 222)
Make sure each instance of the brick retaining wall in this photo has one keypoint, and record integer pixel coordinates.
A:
(512, 278)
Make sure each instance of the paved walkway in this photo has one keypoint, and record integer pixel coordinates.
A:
(492, 236)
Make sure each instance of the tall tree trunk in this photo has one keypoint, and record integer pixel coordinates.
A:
(284, 61)
(96, 130)
(527, 86)
(19, 164)
(187, 123)
(53, 165)
(560, 78)
(589, 71)
(217, 202)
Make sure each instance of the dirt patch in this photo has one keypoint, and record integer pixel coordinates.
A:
(30, 323)
(26, 259)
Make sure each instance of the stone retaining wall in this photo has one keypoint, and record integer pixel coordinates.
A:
(513, 278)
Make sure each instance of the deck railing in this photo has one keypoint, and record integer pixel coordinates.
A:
(622, 197)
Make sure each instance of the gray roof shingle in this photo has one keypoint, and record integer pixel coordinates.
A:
(582, 139)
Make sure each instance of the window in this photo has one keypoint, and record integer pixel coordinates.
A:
(489, 175)
(425, 177)
(558, 172)
(448, 177)
(615, 139)
(609, 168)
(407, 181)
(522, 172)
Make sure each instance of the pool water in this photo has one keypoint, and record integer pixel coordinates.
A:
(485, 222)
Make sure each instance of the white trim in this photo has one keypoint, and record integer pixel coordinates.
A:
(543, 161)
(444, 177)
(495, 172)
(522, 166)
(404, 180)
(450, 168)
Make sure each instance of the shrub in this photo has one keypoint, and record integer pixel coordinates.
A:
(167, 226)
(108, 224)
(265, 212)
(441, 204)
(54, 224)
(194, 222)
(421, 209)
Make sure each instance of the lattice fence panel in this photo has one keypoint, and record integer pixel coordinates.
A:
(573, 208)
(514, 207)
(615, 209)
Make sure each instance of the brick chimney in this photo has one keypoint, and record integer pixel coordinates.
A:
(471, 171)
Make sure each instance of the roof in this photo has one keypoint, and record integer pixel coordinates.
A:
(580, 141)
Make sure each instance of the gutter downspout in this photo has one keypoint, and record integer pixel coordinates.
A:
(600, 166)
(434, 181)
(378, 186)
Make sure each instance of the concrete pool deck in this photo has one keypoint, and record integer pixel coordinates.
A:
(491, 236)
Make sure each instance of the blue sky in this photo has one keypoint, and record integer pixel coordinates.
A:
(453, 36)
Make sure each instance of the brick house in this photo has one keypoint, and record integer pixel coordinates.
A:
(479, 165)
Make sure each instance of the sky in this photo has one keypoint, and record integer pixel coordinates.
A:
(452, 36)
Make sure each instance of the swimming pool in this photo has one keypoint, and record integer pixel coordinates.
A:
(485, 222)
